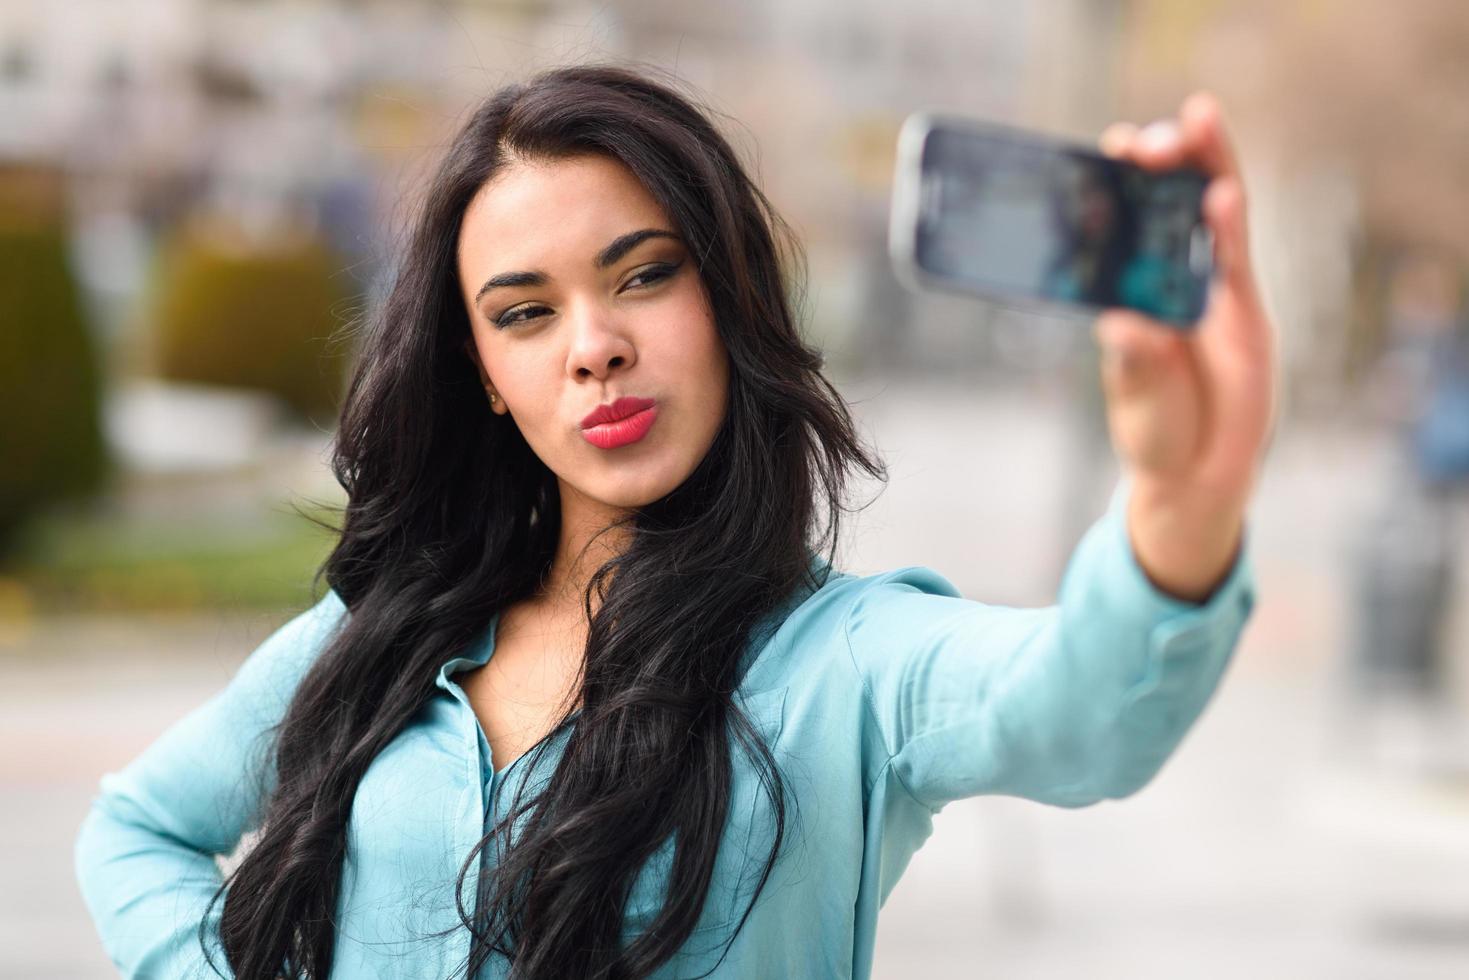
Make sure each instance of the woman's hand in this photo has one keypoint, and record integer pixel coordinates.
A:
(1190, 411)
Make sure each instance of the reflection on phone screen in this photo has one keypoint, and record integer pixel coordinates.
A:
(1059, 225)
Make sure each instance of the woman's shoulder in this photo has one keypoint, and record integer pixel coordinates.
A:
(272, 671)
(308, 630)
(815, 626)
(840, 592)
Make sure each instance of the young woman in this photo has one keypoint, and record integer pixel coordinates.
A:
(585, 697)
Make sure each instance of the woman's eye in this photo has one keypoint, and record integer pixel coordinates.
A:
(642, 280)
(519, 314)
(652, 274)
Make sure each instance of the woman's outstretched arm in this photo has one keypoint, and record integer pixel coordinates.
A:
(1085, 700)
(1068, 704)
(146, 852)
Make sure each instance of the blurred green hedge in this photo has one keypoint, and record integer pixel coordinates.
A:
(51, 443)
(254, 318)
(109, 562)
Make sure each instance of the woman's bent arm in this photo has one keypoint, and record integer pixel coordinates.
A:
(146, 852)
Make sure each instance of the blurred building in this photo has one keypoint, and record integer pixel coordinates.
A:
(1355, 137)
(278, 113)
(325, 112)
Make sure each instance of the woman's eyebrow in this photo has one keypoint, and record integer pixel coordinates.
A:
(619, 247)
(511, 279)
(623, 244)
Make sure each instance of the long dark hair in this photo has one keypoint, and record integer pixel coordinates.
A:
(451, 517)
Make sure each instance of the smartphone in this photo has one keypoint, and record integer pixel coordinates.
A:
(1025, 219)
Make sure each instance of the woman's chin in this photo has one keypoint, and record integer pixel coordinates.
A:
(631, 487)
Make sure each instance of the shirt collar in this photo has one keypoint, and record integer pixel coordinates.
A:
(475, 657)
(479, 655)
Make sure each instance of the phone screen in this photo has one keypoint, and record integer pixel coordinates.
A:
(999, 214)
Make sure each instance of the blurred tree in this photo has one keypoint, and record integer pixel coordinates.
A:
(50, 386)
(253, 316)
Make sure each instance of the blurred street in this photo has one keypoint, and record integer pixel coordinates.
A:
(1267, 847)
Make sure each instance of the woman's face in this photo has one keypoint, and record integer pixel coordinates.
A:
(1096, 210)
(581, 293)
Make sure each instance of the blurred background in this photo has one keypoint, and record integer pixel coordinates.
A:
(198, 196)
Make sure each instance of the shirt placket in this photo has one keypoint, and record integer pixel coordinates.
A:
(480, 782)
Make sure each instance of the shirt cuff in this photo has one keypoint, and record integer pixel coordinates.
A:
(1167, 654)
(1180, 628)
(1238, 583)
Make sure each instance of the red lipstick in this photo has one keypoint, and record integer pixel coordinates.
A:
(622, 422)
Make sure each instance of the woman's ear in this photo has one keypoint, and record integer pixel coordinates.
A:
(497, 404)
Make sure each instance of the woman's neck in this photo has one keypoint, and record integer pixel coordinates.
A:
(582, 547)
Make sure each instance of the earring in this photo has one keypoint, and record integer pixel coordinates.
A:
(492, 398)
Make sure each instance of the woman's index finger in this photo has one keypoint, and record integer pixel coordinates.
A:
(1206, 137)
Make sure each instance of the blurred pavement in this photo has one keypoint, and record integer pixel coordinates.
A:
(1263, 849)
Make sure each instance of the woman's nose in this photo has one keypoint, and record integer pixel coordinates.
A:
(599, 344)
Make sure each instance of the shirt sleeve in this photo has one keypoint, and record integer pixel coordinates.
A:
(145, 853)
(1068, 704)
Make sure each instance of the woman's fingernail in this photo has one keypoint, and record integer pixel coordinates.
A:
(1159, 135)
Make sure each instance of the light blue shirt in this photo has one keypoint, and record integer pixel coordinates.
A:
(884, 697)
